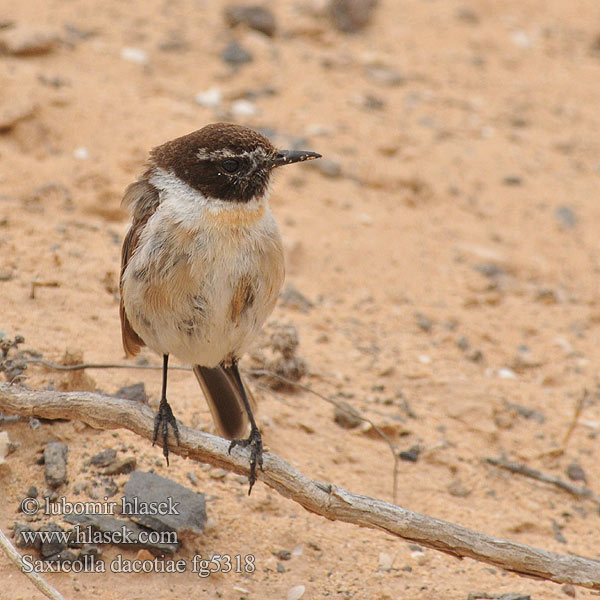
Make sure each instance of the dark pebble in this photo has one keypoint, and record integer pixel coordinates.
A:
(136, 392)
(283, 554)
(410, 455)
(235, 54)
(512, 180)
(351, 16)
(423, 322)
(291, 297)
(32, 492)
(125, 465)
(55, 545)
(55, 461)
(256, 17)
(575, 472)
(346, 416)
(190, 507)
(104, 458)
(566, 216)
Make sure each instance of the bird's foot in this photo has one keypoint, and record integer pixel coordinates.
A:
(164, 417)
(254, 442)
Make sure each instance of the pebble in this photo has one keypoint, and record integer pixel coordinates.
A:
(235, 54)
(296, 592)
(244, 108)
(14, 110)
(346, 416)
(410, 455)
(575, 472)
(125, 465)
(23, 40)
(210, 98)
(291, 297)
(256, 17)
(135, 55)
(4, 446)
(506, 373)
(81, 153)
(456, 488)
(351, 16)
(104, 458)
(385, 561)
(283, 554)
(566, 216)
(135, 392)
(148, 487)
(383, 75)
(423, 322)
(55, 461)
(193, 478)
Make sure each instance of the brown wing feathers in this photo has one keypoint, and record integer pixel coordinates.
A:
(142, 199)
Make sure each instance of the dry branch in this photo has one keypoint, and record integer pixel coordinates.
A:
(324, 499)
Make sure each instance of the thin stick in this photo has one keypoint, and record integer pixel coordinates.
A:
(551, 479)
(35, 578)
(325, 499)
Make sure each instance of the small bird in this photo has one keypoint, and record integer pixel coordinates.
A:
(202, 266)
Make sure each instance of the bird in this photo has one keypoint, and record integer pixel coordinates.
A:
(202, 266)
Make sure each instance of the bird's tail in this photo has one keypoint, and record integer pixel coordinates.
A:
(225, 400)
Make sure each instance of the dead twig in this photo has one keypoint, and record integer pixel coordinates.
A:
(258, 372)
(522, 469)
(36, 578)
(325, 499)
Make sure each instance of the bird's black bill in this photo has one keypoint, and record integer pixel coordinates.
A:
(287, 157)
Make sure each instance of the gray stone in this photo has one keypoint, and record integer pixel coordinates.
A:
(55, 461)
(184, 509)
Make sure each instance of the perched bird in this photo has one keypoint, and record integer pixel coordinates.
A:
(202, 266)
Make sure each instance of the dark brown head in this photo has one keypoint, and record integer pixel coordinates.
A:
(225, 161)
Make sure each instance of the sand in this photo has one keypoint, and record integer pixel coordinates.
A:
(449, 245)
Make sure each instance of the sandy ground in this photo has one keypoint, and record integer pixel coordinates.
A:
(450, 249)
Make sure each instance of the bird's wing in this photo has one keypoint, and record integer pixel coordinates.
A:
(142, 199)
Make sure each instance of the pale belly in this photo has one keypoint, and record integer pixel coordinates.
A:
(206, 301)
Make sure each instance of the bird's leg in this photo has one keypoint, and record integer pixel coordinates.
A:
(165, 416)
(254, 441)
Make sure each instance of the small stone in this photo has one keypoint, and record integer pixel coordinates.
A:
(134, 55)
(5, 445)
(23, 40)
(235, 54)
(55, 461)
(351, 16)
(243, 108)
(280, 568)
(104, 458)
(569, 590)
(506, 373)
(566, 217)
(218, 474)
(285, 339)
(282, 554)
(144, 554)
(210, 98)
(292, 298)
(188, 510)
(125, 465)
(193, 478)
(346, 416)
(423, 322)
(135, 392)
(20, 540)
(386, 561)
(256, 17)
(456, 488)
(32, 492)
(410, 455)
(512, 180)
(52, 545)
(575, 472)
(81, 153)
(383, 75)
(296, 592)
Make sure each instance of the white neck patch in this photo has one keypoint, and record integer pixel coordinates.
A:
(179, 194)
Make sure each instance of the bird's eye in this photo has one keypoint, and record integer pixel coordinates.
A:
(230, 165)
